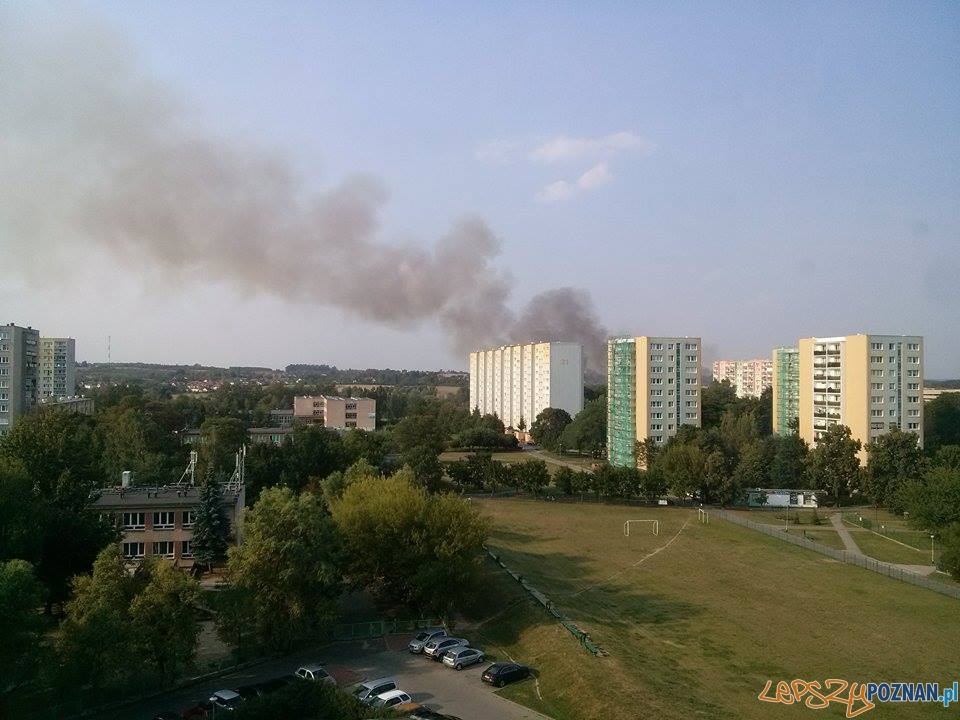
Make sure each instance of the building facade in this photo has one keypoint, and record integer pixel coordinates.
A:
(19, 357)
(335, 412)
(518, 382)
(158, 522)
(57, 374)
(870, 383)
(749, 377)
(786, 389)
(653, 387)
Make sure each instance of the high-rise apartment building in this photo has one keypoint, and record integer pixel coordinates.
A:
(19, 349)
(518, 382)
(653, 387)
(749, 377)
(870, 383)
(786, 389)
(57, 375)
(335, 412)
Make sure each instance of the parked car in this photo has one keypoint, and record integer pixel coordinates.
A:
(461, 657)
(396, 699)
(200, 710)
(428, 714)
(423, 637)
(369, 689)
(316, 673)
(436, 648)
(501, 673)
(226, 700)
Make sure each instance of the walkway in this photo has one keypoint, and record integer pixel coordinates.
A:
(836, 519)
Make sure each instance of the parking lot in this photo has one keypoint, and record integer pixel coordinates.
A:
(429, 683)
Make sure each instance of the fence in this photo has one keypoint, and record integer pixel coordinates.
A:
(379, 628)
(843, 556)
(543, 600)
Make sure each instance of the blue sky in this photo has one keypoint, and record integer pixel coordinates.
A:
(747, 172)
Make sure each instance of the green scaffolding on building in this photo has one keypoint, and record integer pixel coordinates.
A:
(621, 401)
(786, 378)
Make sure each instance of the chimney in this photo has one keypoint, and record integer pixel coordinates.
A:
(125, 478)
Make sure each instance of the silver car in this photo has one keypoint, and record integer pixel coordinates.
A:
(423, 637)
(461, 657)
(436, 648)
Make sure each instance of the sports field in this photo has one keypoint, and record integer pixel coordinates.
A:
(698, 618)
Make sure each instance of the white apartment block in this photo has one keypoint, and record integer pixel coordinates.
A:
(18, 373)
(57, 376)
(749, 377)
(518, 382)
(870, 383)
(653, 387)
(335, 412)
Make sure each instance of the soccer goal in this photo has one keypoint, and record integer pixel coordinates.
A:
(702, 516)
(655, 523)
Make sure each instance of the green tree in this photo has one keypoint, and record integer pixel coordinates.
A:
(564, 479)
(131, 441)
(21, 596)
(947, 456)
(587, 433)
(164, 624)
(547, 429)
(894, 460)
(751, 472)
(716, 399)
(365, 445)
(788, 464)
(420, 440)
(941, 421)
(289, 566)
(949, 560)
(335, 483)
(934, 502)
(834, 468)
(530, 475)
(406, 543)
(683, 467)
(211, 527)
(311, 454)
(305, 699)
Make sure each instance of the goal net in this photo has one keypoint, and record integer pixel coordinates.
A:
(654, 526)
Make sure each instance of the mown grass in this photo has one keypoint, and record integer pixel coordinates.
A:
(698, 628)
(823, 535)
(880, 548)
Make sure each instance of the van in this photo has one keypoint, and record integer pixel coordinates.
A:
(369, 689)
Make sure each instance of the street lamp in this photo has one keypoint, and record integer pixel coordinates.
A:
(931, 551)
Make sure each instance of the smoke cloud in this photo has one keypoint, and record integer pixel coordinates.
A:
(98, 157)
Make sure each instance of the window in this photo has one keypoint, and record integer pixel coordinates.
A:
(656, 427)
(657, 416)
(691, 403)
(876, 346)
(691, 381)
(913, 386)
(163, 520)
(876, 399)
(876, 386)
(133, 521)
(669, 427)
(913, 426)
(691, 358)
(656, 369)
(893, 359)
(186, 548)
(133, 549)
(913, 413)
(892, 412)
(876, 358)
(656, 358)
(656, 393)
(913, 360)
(876, 373)
(913, 373)
(892, 386)
(690, 392)
(657, 346)
(691, 416)
(913, 398)
(913, 346)
(656, 381)
(876, 413)
(690, 346)
(188, 518)
(891, 346)
(876, 426)
(163, 548)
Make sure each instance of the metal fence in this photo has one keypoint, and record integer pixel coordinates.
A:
(379, 628)
(867, 563)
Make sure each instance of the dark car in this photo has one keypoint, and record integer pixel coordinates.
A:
(499, 674)
(428, 714)
(200, 710)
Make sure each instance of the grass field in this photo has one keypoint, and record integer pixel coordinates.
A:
(880, 548)
(554, 461)
(696, 629)
(823, 535)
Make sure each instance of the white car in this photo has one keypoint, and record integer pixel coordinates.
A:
(316, 673)
(389, 699)
(461, 657)
(225, 700)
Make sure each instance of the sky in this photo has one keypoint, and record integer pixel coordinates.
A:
(750, 173)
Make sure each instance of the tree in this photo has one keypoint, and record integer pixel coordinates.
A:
(947, 456)
(220, 438)
(308, 700)
(588, 430)
(334, 484)
(941, 421)
(290, 567)
(311, 453)
(21, 594)
(751, 471)
(894, 460)
(211, 527)
(788, 464)
(405, 543)
(716, 399)
(564, 479)
(131, 441)
(530, 475)
(364, 445)
(95, 640)
(547, 429)
(682, 466)
(949, 560)
(934, 502)
(164, 624)
(833, 465)
(419, 437)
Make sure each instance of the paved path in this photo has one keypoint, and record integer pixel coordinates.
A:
(925, 570)
(428, 682)
(540, 455)
(836, 519)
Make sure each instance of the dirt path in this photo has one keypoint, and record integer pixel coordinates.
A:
(848, 544)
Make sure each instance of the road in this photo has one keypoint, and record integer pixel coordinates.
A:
(430, 683)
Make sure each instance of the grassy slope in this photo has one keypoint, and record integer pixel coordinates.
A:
(698, 629)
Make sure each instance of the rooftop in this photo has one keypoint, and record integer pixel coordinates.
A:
(164, 496)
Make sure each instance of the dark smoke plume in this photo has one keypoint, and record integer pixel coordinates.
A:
(96, 156)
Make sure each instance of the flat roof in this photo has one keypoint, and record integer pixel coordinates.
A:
(164, 496)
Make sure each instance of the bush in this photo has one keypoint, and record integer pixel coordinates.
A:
(319, 701)
(949, 560)
(815, 518)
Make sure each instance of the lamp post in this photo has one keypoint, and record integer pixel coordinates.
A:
(931, 551)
